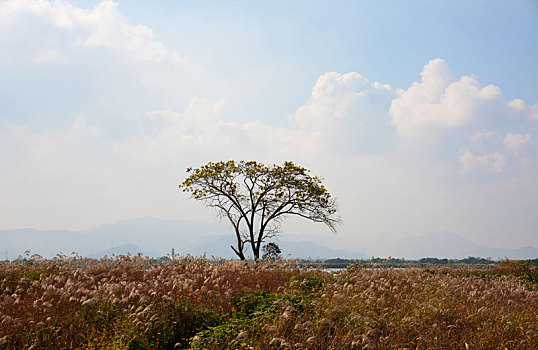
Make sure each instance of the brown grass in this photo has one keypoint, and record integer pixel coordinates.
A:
(131, 302)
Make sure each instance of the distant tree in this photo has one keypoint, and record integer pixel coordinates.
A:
(255, 198)
(271, 251)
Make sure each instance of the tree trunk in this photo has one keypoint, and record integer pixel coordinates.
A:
(256, 249)
(257, 245)
(255, 252)
(238, 253)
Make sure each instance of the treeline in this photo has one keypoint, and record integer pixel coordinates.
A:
(396, 262)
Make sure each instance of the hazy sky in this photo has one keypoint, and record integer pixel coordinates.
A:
(421, 115)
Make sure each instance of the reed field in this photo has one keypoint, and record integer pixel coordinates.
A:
(135, 302)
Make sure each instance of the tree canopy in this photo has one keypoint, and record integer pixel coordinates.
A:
(255, 198)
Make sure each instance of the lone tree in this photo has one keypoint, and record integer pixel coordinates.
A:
(255, 198)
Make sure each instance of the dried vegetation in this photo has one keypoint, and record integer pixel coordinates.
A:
(139, 303)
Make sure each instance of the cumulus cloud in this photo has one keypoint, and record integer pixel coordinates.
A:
(439, 102)
(520, 145)
(71, 61)
(486, 151)
(489, 162)
(460, 116)
(142, 170)
(201, 130)
(515, 142)
(346, 112)
(519, 106)
(481, 135)
(346, 130)
(483, 141)
(68, 28)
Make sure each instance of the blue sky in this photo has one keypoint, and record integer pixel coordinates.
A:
(387, 39)
(422, 116)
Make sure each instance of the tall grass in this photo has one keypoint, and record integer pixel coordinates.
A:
(138, 303)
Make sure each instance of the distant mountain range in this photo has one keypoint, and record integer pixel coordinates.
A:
(123, 249)
(156, 237)
(442, 245)
(220, 246)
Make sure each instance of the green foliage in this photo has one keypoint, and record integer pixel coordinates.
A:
(519, 268)
(222, 336)
(309, 282)
(178, 324)
(136, 344)
(259, 302)
(256, 307)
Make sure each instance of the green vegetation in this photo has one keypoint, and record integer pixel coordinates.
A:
(140, 303)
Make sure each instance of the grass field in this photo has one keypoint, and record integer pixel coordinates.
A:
(139, 303)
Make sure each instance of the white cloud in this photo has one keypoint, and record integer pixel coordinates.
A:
(338, 96)
(515, 142)
(346, 112)
(201, 129)
(519, 106)
(520, 145)
(490, 162)
(485, 151)
(482, 142)
(136, 176)
(482, 135)
(55, 22)
(80, 176)
(439, 102)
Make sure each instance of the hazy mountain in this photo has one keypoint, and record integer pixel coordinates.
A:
(441, 245)
(220, 246)
(212, 246)
(45, 243)
(120, 250)
(157, 237)
(154, 235)
(306, 249)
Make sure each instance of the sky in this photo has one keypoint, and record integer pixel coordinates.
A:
(421, 116)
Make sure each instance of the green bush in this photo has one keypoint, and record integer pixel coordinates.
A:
(308, 282)
(256, 307)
